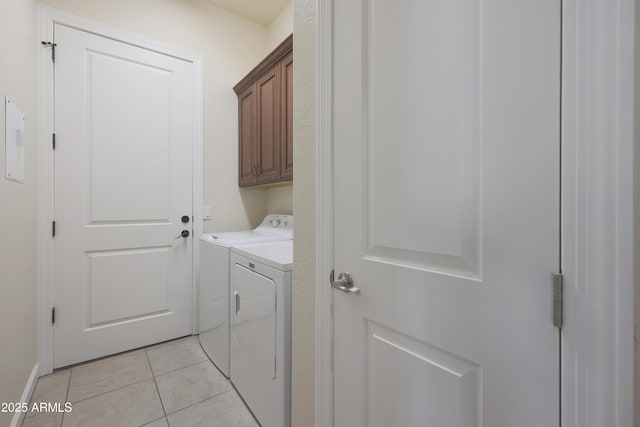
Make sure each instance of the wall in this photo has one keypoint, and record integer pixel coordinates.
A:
(280, 199)
(231, 46)
(280, 28)
(637, 221)
(304, 205)
(18, 205)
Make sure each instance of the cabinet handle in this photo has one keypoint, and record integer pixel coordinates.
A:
(253, 171)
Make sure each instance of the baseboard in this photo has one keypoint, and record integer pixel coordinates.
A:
(26, 396)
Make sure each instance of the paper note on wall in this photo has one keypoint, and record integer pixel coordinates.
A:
(13, 142)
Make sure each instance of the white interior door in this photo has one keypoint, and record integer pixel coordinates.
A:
(446, 154)
(123, 181)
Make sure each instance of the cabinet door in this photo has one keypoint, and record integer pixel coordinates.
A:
(286, 148)
(268, 139)
(247, 128)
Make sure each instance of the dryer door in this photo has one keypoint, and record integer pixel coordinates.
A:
(253, 328)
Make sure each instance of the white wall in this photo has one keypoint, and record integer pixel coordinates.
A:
(304, 206)
(18, 205)
(637, 222)
(280, 28)
(231, 46)
(280, 199)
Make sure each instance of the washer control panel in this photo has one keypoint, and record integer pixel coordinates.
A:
(279, 222)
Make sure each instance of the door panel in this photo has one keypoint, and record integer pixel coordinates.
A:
(423, 96)
(447, 387)
(247, 107)
(267, 149)
(446, 138)
(123, 180)
(111, 276)
(144, 94)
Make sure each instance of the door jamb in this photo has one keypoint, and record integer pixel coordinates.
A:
(324, 215)
(47, 17)
(581, 225)
(597, 207)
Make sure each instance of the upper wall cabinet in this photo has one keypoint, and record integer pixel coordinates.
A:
(265, 109)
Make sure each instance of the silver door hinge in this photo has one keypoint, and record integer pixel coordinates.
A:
(53, 315)
(558, 285)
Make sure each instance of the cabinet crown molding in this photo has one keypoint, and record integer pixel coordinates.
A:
(274, 57)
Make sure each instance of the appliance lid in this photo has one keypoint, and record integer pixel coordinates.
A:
(273, 228)
(278, 255)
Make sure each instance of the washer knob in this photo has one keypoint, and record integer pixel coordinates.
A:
(275, 221)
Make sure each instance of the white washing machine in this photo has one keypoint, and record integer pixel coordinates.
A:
(214, 281)
(261, 329)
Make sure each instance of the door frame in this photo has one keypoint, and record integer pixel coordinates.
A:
(47, 17)
(584, 196)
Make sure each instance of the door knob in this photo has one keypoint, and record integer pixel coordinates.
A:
(184, 233)
(344, 283)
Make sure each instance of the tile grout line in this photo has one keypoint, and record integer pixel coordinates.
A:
(156, 384)
(153, 376)
(201, 401)
(134, 383)
(109, 391)
(177, 369)
(66, 396)
(150, 422)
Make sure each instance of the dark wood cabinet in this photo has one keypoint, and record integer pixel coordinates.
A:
(286, 139)
(265, 110)
(247, 124)
(267, 143)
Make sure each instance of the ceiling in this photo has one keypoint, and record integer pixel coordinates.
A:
(261, 11)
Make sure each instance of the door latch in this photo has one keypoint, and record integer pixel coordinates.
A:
(344, 283)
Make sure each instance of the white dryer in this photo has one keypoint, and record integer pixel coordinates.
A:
(214, 282)
(261, 329)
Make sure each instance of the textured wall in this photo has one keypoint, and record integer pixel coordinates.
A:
(280, 199)
(231, 46)
(304, 206)
(18, 52)
(637, 222)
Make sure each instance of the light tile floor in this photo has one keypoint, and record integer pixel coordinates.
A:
(169, 384)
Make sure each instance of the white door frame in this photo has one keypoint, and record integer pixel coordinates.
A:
(596, 222)
(47, 17)
(597, 212)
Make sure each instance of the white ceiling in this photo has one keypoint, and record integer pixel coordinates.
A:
(260, 11)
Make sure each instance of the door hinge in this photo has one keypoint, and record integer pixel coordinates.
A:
(53, 49)
(53, 138)
(53, 228)
(558, 299)
(53, 315)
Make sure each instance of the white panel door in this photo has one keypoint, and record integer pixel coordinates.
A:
(446, 148)
(123, 181)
